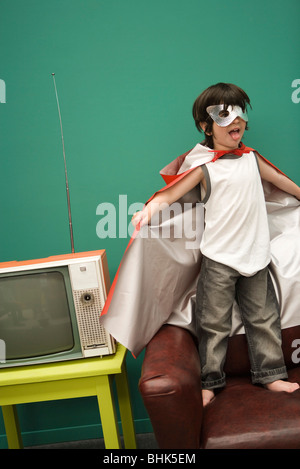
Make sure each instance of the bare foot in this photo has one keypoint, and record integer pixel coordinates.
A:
(207, 396)
(280, 385)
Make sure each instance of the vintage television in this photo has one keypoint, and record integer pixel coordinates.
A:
(50, 309)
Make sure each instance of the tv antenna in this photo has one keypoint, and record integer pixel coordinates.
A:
(66, 172)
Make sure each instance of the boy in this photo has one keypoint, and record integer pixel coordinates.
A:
(235, 243)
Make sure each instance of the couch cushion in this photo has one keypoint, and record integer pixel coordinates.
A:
(246, 416)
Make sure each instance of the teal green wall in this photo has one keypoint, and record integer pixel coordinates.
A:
(127, 74)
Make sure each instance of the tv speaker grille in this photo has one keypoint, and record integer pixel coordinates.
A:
(88, 307)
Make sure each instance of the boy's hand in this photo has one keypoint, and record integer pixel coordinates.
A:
(165, 198)
(140, 218)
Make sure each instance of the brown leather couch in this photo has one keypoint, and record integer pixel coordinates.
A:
(240, 416)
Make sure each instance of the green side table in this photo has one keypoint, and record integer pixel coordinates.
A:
(64, 380)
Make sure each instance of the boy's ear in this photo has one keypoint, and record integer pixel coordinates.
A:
(203, 126)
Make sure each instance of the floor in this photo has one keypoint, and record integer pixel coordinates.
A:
(144, 441)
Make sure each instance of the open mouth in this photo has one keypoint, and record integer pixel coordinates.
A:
(235, 133)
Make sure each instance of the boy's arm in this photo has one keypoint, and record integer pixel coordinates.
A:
(168, 196)
(268, 173)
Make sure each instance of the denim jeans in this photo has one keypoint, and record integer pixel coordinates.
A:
(218, 287)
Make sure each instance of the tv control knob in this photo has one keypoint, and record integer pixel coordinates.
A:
(87, 298)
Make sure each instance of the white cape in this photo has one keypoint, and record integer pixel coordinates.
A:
(157, 278)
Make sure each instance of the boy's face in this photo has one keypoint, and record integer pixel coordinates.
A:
(229, 137)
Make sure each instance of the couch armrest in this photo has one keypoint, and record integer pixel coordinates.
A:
(170, 386)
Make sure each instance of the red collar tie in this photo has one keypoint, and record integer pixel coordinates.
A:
(238, 151)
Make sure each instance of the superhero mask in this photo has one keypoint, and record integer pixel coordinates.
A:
(224, 117)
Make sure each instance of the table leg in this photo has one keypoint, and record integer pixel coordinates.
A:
(108, 413)
(125, 409)
(12, 427)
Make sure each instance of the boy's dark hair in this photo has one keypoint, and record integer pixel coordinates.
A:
(221, 93)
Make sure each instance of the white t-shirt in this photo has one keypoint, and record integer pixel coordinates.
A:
(236, 226)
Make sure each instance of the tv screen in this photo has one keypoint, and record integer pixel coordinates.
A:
(35, 314)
